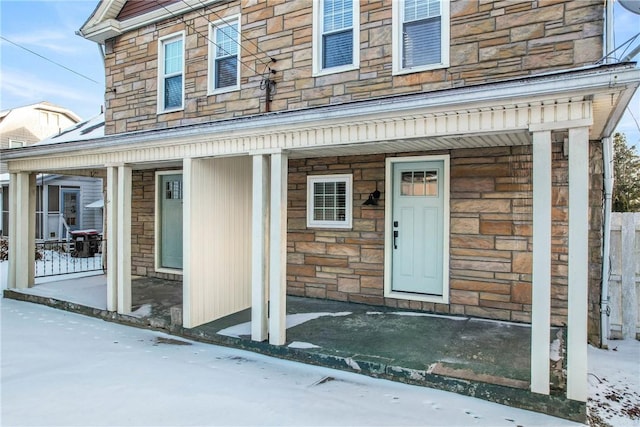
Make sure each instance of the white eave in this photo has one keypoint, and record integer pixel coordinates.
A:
(103, 25)
(604, 91)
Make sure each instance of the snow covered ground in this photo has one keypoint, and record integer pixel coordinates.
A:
(60, 368)
(614, 384)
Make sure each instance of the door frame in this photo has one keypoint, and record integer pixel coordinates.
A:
(158, 218)
(388, 235)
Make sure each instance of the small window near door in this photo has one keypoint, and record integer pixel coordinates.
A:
(419, 183)
(173, 190)
(329, 201)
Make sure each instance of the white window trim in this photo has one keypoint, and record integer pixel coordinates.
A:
(156, 238)
(317, 41)
(160, 95)
(347, 223)
(388, 238)
(211, 89)
(14, 143)
(396, 47)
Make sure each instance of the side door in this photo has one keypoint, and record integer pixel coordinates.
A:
(170, 221)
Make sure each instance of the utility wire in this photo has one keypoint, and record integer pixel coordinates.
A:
(193, 27)
(47, 59)
(235, 29)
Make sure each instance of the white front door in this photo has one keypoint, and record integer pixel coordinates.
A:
(418, 224)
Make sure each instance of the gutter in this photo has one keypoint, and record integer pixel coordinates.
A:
(607, 148)
(585, 81)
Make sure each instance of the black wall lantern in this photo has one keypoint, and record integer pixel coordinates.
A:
(373, 199)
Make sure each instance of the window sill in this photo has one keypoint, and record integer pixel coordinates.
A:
(335, 70)
(223, 90)
(403, 71)
(172, 110)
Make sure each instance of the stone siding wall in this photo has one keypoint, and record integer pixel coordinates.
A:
(490, 235)
(490, 41)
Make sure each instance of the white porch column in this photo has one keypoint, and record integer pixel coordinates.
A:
(124, 239)
(259, 252)
(22, 230)
(13, 229)
(278, 250)
(541, 289)
(578, 263)
(187, 242)
(111, 205)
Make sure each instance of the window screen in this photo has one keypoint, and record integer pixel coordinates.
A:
(226, 56)
(172, 73)
(337, 33)
(421, 33)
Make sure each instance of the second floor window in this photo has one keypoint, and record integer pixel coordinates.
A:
(171, 73)
(420, 35)
(224, 69)
(336, 35)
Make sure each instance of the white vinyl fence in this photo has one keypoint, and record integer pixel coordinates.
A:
(624, 280)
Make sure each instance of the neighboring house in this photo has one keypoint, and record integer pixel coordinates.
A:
(61, 200)
(62, 205)
(27, 125)
(444, 156)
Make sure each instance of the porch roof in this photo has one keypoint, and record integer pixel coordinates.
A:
(492, 114)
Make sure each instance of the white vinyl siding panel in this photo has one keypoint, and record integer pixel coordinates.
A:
(218, 238)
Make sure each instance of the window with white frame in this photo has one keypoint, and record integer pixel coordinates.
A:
(171, 73)
(420, 35)
(224, 59)
(14, 143)
(329, 201)
(336, 35)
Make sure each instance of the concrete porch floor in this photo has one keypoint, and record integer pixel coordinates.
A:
(475, 357)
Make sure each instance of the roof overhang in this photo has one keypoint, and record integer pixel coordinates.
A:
(493, 114)
(103, 25)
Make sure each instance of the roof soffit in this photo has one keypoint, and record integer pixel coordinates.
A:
(103, 23)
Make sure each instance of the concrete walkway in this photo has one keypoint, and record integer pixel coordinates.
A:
(475, 357)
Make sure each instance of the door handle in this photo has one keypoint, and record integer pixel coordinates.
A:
(395, 235)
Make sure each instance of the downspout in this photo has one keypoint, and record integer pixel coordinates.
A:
(607, 149)
(608, 32)
(607, 154)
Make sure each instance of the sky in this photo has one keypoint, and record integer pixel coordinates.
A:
(48, 28)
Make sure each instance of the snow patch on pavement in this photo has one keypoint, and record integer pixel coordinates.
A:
(303, 345)
(292, 320)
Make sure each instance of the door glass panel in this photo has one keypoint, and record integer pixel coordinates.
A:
(419, 183)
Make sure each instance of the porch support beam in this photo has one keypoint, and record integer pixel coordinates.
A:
(278, 250)
(13, 229)
(541, 289)
(578, 263)
(124, 239)
(111, 205)
(188, 291)
(22, 234)
(259, 252)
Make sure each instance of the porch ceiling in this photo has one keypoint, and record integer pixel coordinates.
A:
(417, 144)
